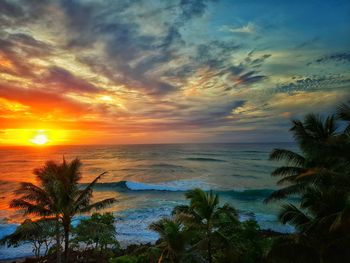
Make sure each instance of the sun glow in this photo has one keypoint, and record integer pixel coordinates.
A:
(40, 139)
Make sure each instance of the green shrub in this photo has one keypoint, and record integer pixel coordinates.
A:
(97, 232)
(124, 259)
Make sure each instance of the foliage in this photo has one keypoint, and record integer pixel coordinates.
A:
(40, 234)
(58, 195)
(97, 232)
(320, 176)
(204, 231)
(240, 242)
(173, 239)
(124, 259)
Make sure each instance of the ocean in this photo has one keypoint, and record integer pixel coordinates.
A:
(149, 180)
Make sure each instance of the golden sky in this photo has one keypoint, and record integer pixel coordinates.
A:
(110, 72)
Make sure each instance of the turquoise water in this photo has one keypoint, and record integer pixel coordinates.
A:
(149, 180)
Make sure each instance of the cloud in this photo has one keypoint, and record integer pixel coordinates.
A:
(249, 28)
(65, 81)
(160, 67)
(315, 83)
(131, 56)
(335, 57)
(42, 101)
(19, 49)
(10, 9)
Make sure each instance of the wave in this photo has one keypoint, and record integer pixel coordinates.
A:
(165, 165)
(201, 159)
(249, 194)
(182, 186)
(253, 152)
(174, 186)
(245, 176)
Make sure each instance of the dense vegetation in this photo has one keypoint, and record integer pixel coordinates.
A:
(58, 198)
(204, 230)
(320, 177)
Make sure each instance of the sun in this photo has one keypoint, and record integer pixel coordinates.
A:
(40, 139)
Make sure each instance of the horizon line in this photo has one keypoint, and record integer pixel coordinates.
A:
(126, 144)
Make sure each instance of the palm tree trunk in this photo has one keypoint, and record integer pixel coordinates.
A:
(66, 226)
(321, 254)
(210, 260)
(58, 241)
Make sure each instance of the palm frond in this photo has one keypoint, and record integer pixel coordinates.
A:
(73, 171)
(343, 111)
(287, 180)
(293, 215)
(180, 209)
(310, 172)
(226, 214)
(287, 171)
(314, 125)
(32, 192)
(30, 208)
(97, 206)
(342, 218)
(48, 172)
(288, 156)
(202, 203)
(285, 192)
(331, 125)
(299, 131)
(87, 192)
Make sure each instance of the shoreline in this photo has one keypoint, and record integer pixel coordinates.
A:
(12, 260)
(263, 233)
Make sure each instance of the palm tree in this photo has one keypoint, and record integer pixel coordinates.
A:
(343, 114)
(173, 239)
(319, 162)
(59, 195)
(204, 214)
(343, 111)
(321, 178)
(322, 221)
(42, 199)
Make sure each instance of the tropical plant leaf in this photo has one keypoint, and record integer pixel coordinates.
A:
(288, 156)
(343, 111)
(98, 205)
(30, 208)
(87, 192)
(287, 171)
(293, 215)
(285, 192)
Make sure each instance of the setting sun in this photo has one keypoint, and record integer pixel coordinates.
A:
(40, 139)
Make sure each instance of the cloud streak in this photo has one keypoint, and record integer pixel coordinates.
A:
(172, 69)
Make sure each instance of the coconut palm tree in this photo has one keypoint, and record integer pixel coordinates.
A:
(323, 156)
(59, 195)
(173, 239)
(322, 221)
(204, 215)
(321, 178)
(42, 199)
(343, 111)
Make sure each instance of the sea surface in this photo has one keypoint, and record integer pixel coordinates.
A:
(149, 180)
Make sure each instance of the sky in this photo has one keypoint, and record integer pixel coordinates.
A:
(176, 71)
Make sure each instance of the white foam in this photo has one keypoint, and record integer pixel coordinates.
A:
(174, 186)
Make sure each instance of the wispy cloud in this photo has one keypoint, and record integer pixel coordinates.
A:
(335, 57)
(249, 28)
(162, 68)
